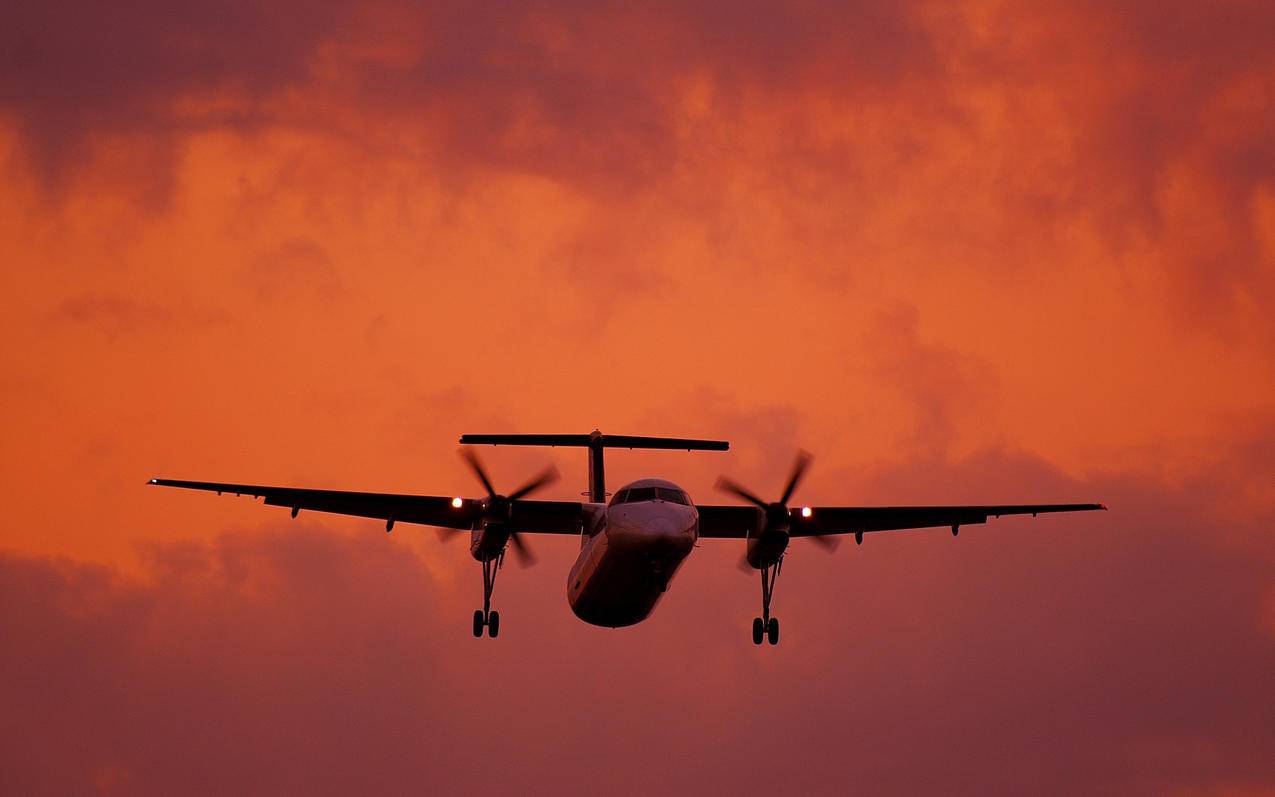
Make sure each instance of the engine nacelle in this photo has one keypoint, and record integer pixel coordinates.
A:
(766, 548)
(488, 540)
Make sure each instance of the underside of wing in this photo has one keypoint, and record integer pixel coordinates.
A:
(547, 517)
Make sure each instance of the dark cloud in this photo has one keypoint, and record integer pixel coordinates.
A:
(72, 69)
(1115, 653)
(577, 90)
(114, 316)
(590, 93)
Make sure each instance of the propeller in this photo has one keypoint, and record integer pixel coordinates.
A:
(778, 518)
(499, 508)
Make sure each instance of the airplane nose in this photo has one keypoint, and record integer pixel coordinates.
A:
(666, 525)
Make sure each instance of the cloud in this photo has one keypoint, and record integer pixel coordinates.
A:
(114, 316)
(72, 70)
(582, 93)
(940, 386)
(295, 267)
(891, 234)
(905, 132)
(1124, 652)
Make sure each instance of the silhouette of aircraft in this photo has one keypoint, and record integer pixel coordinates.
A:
(632, 546)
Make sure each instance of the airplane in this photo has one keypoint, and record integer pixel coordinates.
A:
(630, 546)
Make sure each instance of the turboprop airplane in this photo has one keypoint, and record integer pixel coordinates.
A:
(632, 546)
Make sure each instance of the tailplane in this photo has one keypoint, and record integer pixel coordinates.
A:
(595, 442)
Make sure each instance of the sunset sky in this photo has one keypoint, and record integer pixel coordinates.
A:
(989, 253)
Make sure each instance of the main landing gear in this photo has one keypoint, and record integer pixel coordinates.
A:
(486, 617)
(766, 625)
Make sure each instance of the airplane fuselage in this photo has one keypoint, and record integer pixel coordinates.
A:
(628, 560)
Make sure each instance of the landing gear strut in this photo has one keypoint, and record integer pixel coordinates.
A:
(485, 617)
(766, 625)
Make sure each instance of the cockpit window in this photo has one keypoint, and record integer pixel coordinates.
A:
(673, 495)
(635, 494)
(640, 494)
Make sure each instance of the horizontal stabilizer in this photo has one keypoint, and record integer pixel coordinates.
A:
(597, 438)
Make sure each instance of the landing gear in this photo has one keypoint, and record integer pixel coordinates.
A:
(768, 629)
(491, 622)
(766, 625)
(485, 617)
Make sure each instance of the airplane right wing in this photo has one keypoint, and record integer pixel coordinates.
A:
(744, 521)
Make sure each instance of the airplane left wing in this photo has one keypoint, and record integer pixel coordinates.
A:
(544, 517)
(745, 521)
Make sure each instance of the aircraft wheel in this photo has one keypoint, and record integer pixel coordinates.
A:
(758, 630)
(772, 631)
(493, 624)
(478, 622)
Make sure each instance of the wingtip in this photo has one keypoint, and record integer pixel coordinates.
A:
(1102, 506)
(152, 481)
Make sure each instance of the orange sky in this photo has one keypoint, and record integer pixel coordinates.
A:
(1010, 252)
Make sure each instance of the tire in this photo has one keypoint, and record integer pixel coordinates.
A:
(478, 622)
(758, 630)
(493, 624)
(772, 631)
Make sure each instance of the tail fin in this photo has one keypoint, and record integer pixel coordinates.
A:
(595, 442)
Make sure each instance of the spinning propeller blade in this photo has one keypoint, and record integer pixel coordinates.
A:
(777, 513)
(548, 476)
(730, 486)
(476, 465)
(522, 552)
(500, 507)
(798, 471)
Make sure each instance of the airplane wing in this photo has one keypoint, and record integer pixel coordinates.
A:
(545, 517)
(744, 521)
